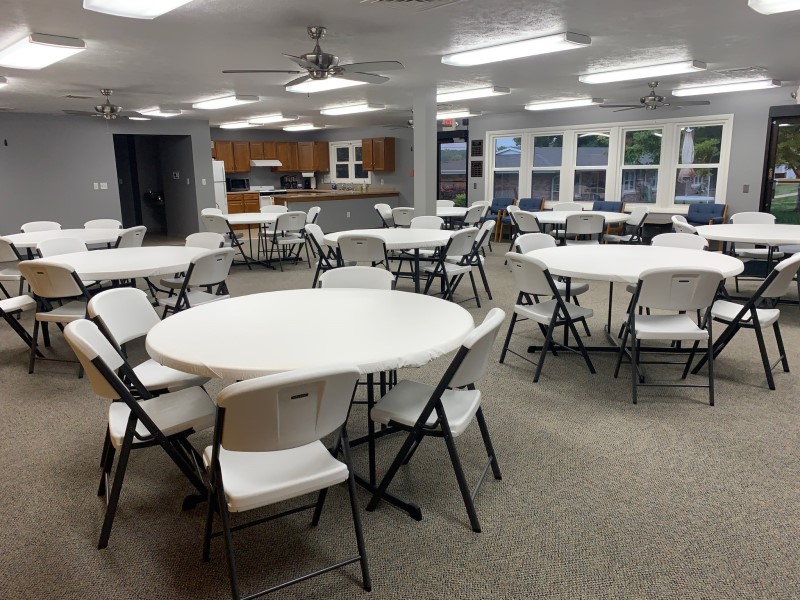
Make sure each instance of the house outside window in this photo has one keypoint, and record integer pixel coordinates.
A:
(507, 162)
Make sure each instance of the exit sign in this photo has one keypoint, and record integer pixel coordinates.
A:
(448, 122)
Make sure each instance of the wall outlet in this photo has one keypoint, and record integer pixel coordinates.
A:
(103, 185)
(202, 182)
(188, 182)
(381, 180)
(96, 185)
(348, 214)
(474, 186)
(746, 188)
(176, 175)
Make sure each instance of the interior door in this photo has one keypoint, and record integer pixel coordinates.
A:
(781, 191)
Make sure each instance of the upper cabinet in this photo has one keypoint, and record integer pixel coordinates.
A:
(241, 157)
(313, 156)
(287, 154)
(296, 156)
(224, 151)
(270, 150)
(256, 150)
(377, 154)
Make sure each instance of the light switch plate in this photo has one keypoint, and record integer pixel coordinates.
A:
(96, 185)
(103, 185)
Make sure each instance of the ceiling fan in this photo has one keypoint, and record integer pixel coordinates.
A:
(322, 65)
(653, 101)
(105, 110)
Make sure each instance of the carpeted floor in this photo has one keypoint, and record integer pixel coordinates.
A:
(599, 499)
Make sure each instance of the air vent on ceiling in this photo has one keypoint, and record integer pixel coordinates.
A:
(76, 97)
(413, 5)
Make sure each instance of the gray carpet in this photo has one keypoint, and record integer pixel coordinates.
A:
(599, 498)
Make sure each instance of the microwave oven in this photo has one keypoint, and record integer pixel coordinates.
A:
(237, 185)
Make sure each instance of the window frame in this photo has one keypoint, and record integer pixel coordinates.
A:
(654, 167)
(351, 145)
(534, 169)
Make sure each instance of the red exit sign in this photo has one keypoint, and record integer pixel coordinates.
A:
(448, 122)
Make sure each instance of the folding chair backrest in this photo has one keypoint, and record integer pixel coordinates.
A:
(567, 206)
(385, 213)
(784, 275)
(56, 246)
(585, 224)
(7, 251)
(638, 215)
(40, 226)
(216, 223)
(474, 214)
(512, 208)
(534, 241)
(88, 343)
(125, 312)
(362, 248)
(205, 239)
(667, 288)
(313, 214)
(211, 267)
(402, 216)
(530, 274)
(287, 410)
(445, 203)
(48, 280)
(210, 211)
(103, 224)
(479, 345)
(461, 242)
(314, 233)
(427, 222)
(484, 234)
(680, 240)
(371, 278)
(274, 208)
(132, 238)
(681, 226)
(753, 218)
(526, 222)
(293, 221)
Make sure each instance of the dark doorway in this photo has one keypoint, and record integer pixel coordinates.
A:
(452, 163)
(780, 191)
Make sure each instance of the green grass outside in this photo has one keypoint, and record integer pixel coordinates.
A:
(785, 210)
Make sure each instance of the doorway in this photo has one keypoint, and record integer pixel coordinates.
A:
(452, 166)
(780, 192)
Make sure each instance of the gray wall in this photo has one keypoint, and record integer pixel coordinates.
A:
(750, 110)
(48, 164)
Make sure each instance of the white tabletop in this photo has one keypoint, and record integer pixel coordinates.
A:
(260, 334)
(126, 263)
(771, 235)
(400, 238)
(626, 263)
(559, 217)
(90, 236)
(451, 212)
(251, 218)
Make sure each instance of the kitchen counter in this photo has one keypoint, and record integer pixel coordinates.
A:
(326, 195)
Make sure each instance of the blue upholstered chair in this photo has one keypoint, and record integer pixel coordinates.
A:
(607, 206)
(706, 214)
(498, 207)
(531, 204)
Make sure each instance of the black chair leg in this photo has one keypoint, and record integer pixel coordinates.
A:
(356, 512)
(485, 280)
(323, 493)
(779, 339)
(508, 337)
(487, 442)
(212, 506)
(34, 344)
(226, 534)
(116, 488)
(762, 348)
(462, 480)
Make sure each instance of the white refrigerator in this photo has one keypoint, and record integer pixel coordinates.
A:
(220, 190)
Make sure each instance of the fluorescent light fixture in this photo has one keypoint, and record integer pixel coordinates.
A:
(301, 127)
(484, 92)
(740, 86)
(139, 118)
(236, 125)
(134, 9)
(39, 50)
(676, 68)
(770, 7)
(161, 112)
(276, 118)
(3, 82)
(455, 114)
(352, 109)
(310, 86)
(521, 49)
(556, 104)
(225, 102)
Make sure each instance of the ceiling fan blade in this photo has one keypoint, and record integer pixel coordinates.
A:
(619, 105)
(81, 113)
(374, 67)
(258, 71)
(298, 80)
(130, 113)
(628, 108)
(302, 62)
(691, 103)
(365, 77)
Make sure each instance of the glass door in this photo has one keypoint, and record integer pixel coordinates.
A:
(781, 191)
(452, 177)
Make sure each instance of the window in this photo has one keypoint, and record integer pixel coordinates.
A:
(699, 154)
(641, 163)
(347, 165)
(591, 162)
(548, 152)
(507, 161)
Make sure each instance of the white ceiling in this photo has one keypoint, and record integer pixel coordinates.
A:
(177, 59)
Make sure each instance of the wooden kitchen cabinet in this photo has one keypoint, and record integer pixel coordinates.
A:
(241, 157)
(224, 151)
(287, 154)
(305, 156)
(270, 150)
(366, 155)
(241, 203)
(377, 154)
(256, 151)
(322, 157)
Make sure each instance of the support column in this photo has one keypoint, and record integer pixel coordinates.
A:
(425, 162)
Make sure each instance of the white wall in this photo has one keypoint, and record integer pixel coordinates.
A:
(750, 110)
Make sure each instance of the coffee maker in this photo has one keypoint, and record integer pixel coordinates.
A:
(288, 182)
(309, 181)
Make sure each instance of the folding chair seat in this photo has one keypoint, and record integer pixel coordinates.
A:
(460, 248)
(533, 280)
(165, 420)
(11, 308)
(205, 239)
(267, 449)
(208, 270)
(9, 272)
(445, 410)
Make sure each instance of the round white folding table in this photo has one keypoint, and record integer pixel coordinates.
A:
(128, 263)
(30, 240)
(771, 235)
(258, 218)
(400, 238)
(559, 217)
(451, 212)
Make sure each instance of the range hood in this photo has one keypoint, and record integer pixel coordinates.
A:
(266, 163)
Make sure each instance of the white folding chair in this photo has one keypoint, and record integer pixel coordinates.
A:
(476, 257)
(373, 278)
(459, 251)
(427, 222)
(362, 248)
(445, 410)
(326, 256)
(688, 241)
(40, 226)
(677, 291)
(474, 214)
(584, 229)
(445, 203)
(633, 226)
(11, 309)
(533, 279)
(131, 237)
(133, 423)
(274, 208)
(753, 252)
(385, 213)
(219, 224)
(210, 211)
(9, 272)
(207, 270)
(567, 206)
(102, 224)
(267, 449)
(205, 239)
(125, 315)
(402, 216)
(522, 222)
(537, 241)
(58, 246)
(287, 234)
(679, 225)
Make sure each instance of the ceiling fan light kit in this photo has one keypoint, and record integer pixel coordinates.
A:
(484, 92)
(39, 50)
(648, 72)
(301, 127)
(521, 49)
(352, 109)
(161, 112)
(739, 86)
(771, 7)
(557, 104)
(312, 86)
(134, 9)
(225, 102)
(276, 118)
(237, 125)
